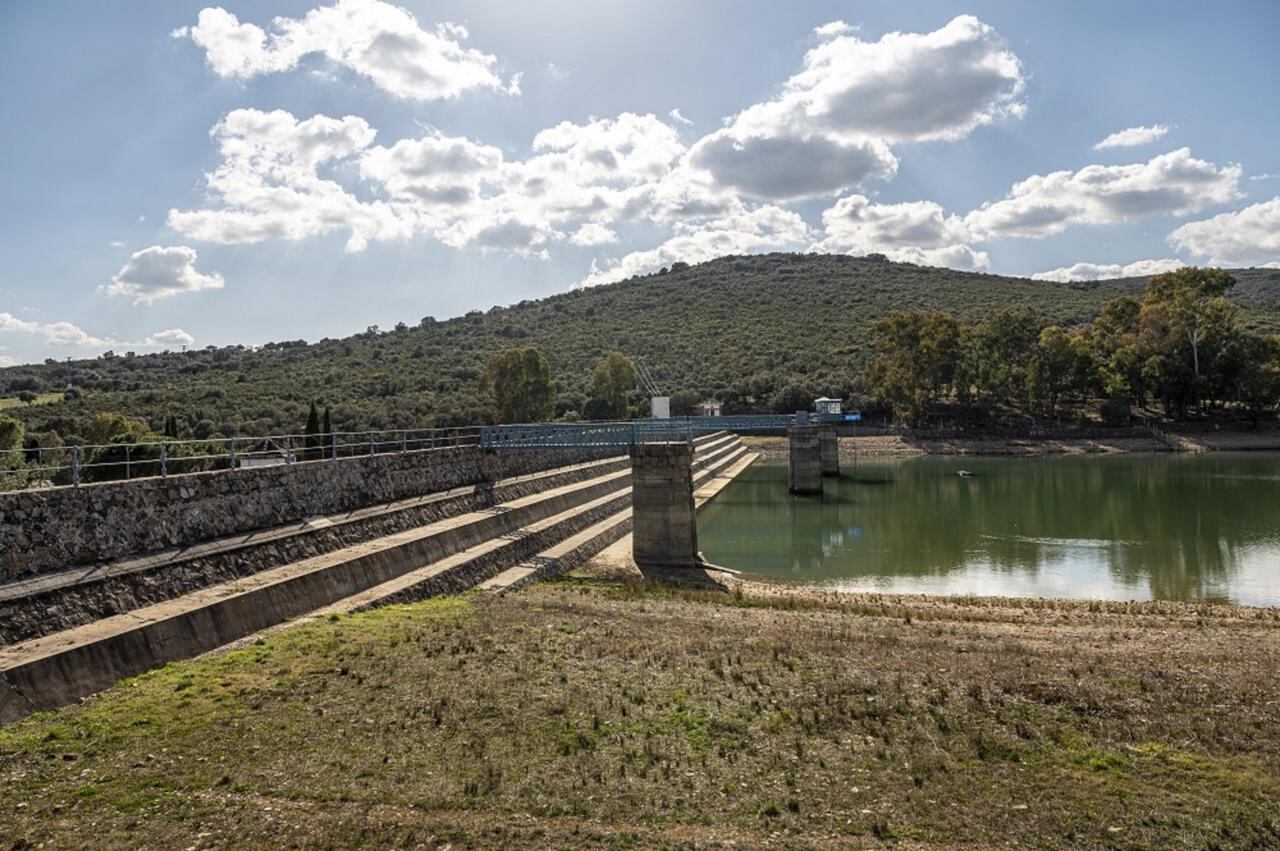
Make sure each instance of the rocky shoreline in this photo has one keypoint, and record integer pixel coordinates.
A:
(905, 445)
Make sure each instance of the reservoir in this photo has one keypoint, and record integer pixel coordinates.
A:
(1114, 527)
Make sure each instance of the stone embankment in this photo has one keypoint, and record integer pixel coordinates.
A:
(58, 528)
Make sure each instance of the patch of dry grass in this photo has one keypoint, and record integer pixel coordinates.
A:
(602, 714)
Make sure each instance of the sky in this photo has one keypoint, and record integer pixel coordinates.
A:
(181, 174)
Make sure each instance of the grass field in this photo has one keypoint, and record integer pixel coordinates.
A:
(41, 399)
(588, 713)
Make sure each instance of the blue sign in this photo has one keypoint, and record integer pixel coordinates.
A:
(852, 417)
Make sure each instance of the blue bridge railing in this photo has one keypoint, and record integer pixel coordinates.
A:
(623, 433)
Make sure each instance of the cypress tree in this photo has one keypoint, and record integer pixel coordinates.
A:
(327, 438)
(312, 434)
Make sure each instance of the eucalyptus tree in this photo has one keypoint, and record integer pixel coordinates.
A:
(520, 380)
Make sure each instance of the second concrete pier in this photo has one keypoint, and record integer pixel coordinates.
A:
(804, 472)
(829, 448)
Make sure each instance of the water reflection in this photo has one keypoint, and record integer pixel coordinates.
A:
(1116, 527)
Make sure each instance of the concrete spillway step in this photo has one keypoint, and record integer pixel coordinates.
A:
(714, 454)
(615, 530)
(447, 555)
(564, 556)
(608, 519)
(472, 566)
(41, 605)
(64, 666)
(709, 486)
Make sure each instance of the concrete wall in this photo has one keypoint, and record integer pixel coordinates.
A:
(45, 530)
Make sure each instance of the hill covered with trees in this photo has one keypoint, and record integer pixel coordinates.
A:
(751, 331)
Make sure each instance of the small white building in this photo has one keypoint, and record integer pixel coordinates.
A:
(827, 409)
(710, 408)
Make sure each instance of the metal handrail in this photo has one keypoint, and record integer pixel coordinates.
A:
(166, 456)
(623, 433)
(162, 456)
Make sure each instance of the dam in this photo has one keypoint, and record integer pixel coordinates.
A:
(103, 581)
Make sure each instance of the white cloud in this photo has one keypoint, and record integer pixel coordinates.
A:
(913, 232)
(6, 360)
(1264, 176)
(67, 334)
(160, 272)
(833, 29)
(1102, 271)
(283, 178)
(115, 243)
(505, 232)
(1248, 235)
(54, 333)
(434, 170)
(831, 127)
(593, 234)
(597, 172)
(377, 40)
(907, 86)
(784, 167)
(766, 228)
(173, 337)
(1133, 136)
(922, 232)
(625, 149)
(1174, 183)
(685, 193)
(269, 186)
(9, 322)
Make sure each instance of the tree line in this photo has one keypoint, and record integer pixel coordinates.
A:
(760, 334)
(1181, 347)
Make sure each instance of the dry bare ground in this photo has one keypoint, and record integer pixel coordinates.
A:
(595, 713)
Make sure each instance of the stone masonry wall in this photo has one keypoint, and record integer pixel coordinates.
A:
(43, 530)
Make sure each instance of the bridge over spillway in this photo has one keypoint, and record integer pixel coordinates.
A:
(628, 433)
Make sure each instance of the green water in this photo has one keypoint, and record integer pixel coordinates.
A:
(1125, 527)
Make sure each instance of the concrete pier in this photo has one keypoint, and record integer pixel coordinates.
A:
(804, 473)
(664, 532)
(829, 449)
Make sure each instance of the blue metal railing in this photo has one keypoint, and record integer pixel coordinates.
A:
(623, 433)
(584, 434)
